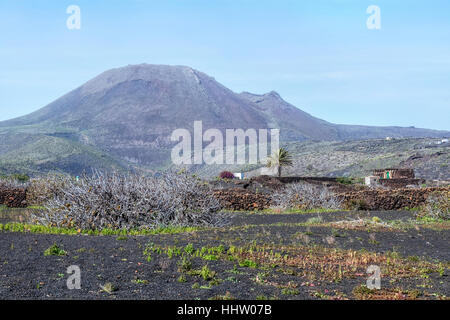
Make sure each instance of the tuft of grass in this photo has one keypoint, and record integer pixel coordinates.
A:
(314, 220)
(185, 265)
(189, 249)
(289, 291)
(248, 263)
(206, 273)
(139, 281)
(210, 257)
(226, 296)
(108, 288)
(344, 180)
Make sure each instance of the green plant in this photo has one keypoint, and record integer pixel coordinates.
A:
(214, 282)
(40, 229)
(196, 286)
(314, 220)
(108, 288)
(173, 251)
(185, 264)
(232, 279)
(210, 257)
(280, 158)
(344, 180)
(289, 291)
(206, 273)
(189, 249)
(226, 296)
(248, 263)
(139, 281)
(54, 250)
(376, 220)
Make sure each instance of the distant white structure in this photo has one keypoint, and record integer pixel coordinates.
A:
(238, 175)
(388, 138)
(371, 180)
(441, 141)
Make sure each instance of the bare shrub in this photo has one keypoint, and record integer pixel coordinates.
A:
(437, 206)
(41, 190)
(11, 184)
(305, 196)
(116, 201)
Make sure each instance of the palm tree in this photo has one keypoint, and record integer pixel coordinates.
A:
(280, 158)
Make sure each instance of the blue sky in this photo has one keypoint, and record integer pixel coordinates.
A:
(318, 54)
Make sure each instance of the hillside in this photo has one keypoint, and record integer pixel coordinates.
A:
(124, 117)
(356, 159)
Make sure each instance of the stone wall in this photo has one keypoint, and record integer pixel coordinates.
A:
(388, 199)
(14, 198)
(242, 200)
(369, 199)
(400, 183)
(248, 200)
(394, 173)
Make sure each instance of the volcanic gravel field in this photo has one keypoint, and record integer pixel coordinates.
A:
(259, 256)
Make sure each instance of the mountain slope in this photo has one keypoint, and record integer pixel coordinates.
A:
(128, 114)
(294, 122)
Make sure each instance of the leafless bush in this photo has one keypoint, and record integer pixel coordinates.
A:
(11, 183)
(437, 206)
(305, 196)
(118, 201)
(45, 188)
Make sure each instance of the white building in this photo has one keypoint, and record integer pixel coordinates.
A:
(238, 175)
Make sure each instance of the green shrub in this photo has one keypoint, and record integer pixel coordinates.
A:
(344, 180)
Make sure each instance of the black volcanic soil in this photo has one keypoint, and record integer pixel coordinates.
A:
(25, 273)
